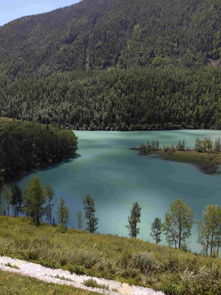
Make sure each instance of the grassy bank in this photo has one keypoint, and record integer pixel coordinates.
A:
(12, 284)
(130, 260)
(191, 157)
(4, 119)
(206, 162)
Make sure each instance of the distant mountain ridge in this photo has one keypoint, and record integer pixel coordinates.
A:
(115, 65)
(105, 33)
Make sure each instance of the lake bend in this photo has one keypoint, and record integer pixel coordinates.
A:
(116, 177)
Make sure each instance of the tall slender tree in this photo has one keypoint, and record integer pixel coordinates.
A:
(178, 224)
(34, 200)
(133, 220)
(80, 220)
(210, 229)
(17, 200)
(63, 214)
(50, 202)
(6, 199)
(156, 230)
(90, 214)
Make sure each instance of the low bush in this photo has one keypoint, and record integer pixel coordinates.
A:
(92, 283)
(145, 262)
(12, 284)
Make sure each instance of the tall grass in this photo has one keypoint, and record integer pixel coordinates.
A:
(127, 260)
(12, 284)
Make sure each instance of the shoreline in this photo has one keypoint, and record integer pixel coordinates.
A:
(190, 156)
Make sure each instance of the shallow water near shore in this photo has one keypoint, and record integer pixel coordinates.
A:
(117, 177)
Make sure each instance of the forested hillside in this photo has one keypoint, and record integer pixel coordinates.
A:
(106, 33)
(115, 64)
(135, 99)
(25, 146)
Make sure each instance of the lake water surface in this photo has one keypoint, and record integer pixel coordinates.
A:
(117, 177)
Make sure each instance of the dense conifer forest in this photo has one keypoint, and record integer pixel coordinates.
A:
(119, 64)
(25, 146)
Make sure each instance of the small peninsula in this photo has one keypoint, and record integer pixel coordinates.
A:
(206, 153)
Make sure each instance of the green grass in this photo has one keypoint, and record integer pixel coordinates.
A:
(13, 284)
(123, 259)
(187, 157)
(12, 266)
(92, 283)
(192, 157)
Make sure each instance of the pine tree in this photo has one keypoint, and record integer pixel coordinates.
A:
(89, 209)
(6, 200)
(133, 220)
(50, 196)
(17, 200)
(34, 200)
(79, 220)
(156, 230)
(63, 214)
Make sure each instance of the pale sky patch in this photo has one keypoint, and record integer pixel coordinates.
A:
(13, 9)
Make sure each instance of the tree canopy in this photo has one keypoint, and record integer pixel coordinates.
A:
(115, 65)
(25, 146)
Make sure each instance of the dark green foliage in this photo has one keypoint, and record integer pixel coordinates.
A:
(133, 220)
(63, 214)
(178, 224)
(206, 153)
(50, 195)
(210, 230)
(25, 146)
(6, 200)
(210, 165)
(145, 262)
(34, 200)
(181, 146)
(115, 64)
(156, 228)
(205, 145)
(107, 33)
(89, 209)
(17, 200)
(119, 99)
(93, 283)
(150, 147)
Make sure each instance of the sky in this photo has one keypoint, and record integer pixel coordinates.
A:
(12, 9)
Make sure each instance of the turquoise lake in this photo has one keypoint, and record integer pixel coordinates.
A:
(117, 177)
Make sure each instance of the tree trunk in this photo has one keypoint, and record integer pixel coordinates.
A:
(218, 246)
(180, 235)
(211, 245)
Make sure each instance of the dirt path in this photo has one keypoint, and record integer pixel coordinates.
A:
(62, 277)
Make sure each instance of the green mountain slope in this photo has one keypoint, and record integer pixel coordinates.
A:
(103, 33)
(115, 64)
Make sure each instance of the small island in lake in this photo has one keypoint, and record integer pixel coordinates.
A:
(206, 153)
